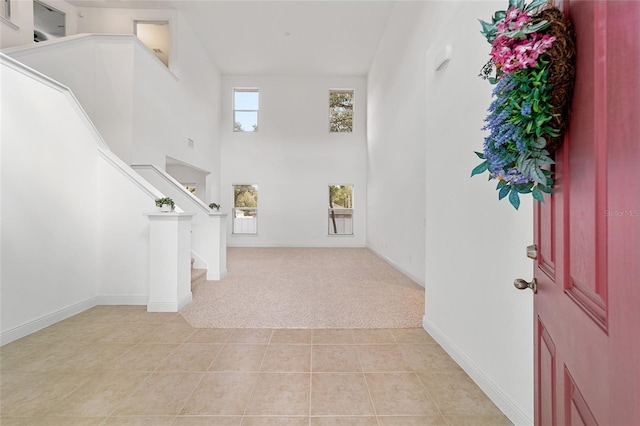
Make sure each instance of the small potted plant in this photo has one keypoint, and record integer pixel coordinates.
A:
(166, 204)
(214, 206)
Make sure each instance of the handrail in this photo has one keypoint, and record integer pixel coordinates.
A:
(102, 147)
(35, 75)
(138, 180)
(48, 44)
(171, 180)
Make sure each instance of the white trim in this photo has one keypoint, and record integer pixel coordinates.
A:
(395, 265)
(177, 185)
(169, 306)
(134, 177)
(9, 23)
(41, 78)
(488, 386)
(46, 321)
(123, 299)
(18, 51)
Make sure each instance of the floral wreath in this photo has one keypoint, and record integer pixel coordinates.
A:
(532, 68)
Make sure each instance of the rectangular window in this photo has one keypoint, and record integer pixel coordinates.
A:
(340, 209)
(341, 111)
(245, 209)
(245, 110)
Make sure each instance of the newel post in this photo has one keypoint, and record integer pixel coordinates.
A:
(218, 236)
(169, 261)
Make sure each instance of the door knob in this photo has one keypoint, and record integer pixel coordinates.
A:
(521, 284)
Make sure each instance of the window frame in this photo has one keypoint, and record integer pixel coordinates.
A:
(235, 110)
(331, 110)
(234, 209)
(331, 210)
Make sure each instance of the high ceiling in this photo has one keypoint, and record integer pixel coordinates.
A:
(294, 37)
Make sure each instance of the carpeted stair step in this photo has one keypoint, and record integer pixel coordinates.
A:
(198, 276)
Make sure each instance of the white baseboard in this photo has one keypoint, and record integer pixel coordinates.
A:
(118, 299)
(46, 320)
(493, 391)
(395, 265)
(169, 305)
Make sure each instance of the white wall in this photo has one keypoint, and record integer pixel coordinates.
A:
(144, 113)
(49, 217)
(193, 111)
(80, 240)
(293, 158)
(474, 246)
(396, 144)
(186, 174)
(19, 31)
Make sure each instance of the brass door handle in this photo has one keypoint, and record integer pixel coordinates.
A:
(521, 284)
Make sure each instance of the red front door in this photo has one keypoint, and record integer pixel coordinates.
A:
(587, 308)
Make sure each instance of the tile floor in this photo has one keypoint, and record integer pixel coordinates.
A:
(119, 365)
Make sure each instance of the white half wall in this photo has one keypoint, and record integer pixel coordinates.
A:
(474, 245)
(49, 221)
(293, 158)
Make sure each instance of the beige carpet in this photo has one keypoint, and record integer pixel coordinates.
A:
(307, 288)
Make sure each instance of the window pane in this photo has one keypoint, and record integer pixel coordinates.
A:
(340, 210)
(245, 110)
(246, 100)
(245, 195)
(245, 121)
(341, 110)
(340, 222)
(245, 212)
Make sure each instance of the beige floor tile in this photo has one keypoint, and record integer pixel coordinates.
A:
(435, 420)
(291, 336)
(239, 357)
(160, 394)
(340, 394)
(287, 358)
(221, 394)
(375, 358)
(210, 335)
(126, 333)
(250, 335)
(191, 357)
(478, 421)
(140, 421)
(340, 337)
(426, 357)
(275, 421)
(280, 394)
(35, 394)
(344, 421)
(372, 336)
(411, 335)
(143, 357)
(208, 421)
(103, 361)
(170, 333)
(57, 421)
(335, 358)
(16, 421)
(91, 358)
(399, 394)
(456, 394)
(100, 395)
